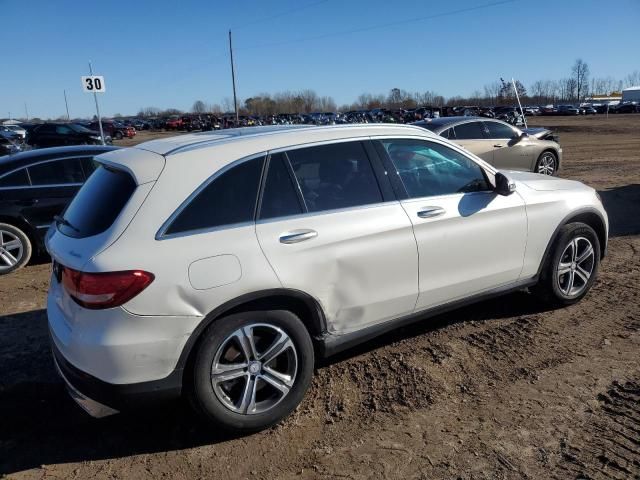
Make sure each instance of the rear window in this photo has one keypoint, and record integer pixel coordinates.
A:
(98, 203)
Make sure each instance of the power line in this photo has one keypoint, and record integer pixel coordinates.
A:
(380, 25)
(281, 14)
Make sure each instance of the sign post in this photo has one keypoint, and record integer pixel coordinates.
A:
(95, 84)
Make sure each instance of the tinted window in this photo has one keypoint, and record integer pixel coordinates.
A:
(335, 176)
(449, 133)
(88, 166)
(98, 203)
(57, 172)
(469, 131)
(428, 169)
(15, 179)
(500, 130)
(279, 198)
(228, 199)
(63, 130)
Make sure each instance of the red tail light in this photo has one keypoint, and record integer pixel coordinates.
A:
(104, 290)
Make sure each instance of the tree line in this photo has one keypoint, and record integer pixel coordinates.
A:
(572, 89)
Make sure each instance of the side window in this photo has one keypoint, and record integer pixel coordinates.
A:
(15, 179)
(229, 199)
(335, 176)
(429, 169)
(279, 198)
(57, 172)
(63, 130)
(500, 130)
(449, 133)
(89, 165)
(469, 131)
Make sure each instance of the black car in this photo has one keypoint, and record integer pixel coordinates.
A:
(35, 186)
(588, 110)
(627, 107)
(61, 134)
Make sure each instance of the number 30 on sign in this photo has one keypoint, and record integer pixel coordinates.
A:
(93, 84)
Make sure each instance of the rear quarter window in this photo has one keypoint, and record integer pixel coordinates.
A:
(15, 179)
(98, 203)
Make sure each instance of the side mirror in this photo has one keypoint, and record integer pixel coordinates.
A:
(504, 186)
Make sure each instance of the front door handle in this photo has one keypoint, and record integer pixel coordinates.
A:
(430, 212)
(498, 145)
(295, 236)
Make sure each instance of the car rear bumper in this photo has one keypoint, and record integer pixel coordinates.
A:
(100, 399)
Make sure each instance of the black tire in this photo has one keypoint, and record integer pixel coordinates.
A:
(117, 135)
(547, 163)
(9, 233)
(550, 286)
(210, 402)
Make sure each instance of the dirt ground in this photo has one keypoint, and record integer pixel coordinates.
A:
(503, 389)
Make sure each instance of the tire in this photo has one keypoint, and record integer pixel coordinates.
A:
(15, 249)
(554, 285)
(117, 135)
(223, 402)
(547, 163)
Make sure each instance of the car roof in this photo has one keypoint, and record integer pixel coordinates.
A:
(444, 122)
(292, 134)
(12, 162)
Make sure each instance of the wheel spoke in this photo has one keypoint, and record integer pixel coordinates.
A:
(248, 401)
(11, 244)
(584, 255)
(274, 382)
(281, 377)
(564, 268)
(9, 259)
(224, 372)
(574, 249)
(583, 274)
(277, 347)
(569, 286)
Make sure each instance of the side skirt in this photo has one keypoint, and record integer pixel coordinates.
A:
(332, 344)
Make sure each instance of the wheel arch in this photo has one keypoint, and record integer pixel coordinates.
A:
(300, 303)
(589, 216)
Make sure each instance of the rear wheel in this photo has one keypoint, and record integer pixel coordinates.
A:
(547, 164)
(572, 265)
(15, 248)
(117, 135)
(252, 369)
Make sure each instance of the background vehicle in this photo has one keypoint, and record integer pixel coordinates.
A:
(115, 130)
(588, 110)
(174, 122)
(567, 110)
(222, 300)
(500, 144)
(61, 134)
(9, 143)
(627, 107)
(34, 187)
(17, 129)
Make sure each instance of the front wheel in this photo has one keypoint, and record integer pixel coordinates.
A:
(572, 265)
(252, 369)
(117, 135)
(547, 164)
(15, 248)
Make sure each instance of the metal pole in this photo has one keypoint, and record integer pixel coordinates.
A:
(66, 105)
(233, 80)
(524, 118)
(26, 112)
(95, 97)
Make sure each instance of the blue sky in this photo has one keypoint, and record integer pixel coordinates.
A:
(171, 53)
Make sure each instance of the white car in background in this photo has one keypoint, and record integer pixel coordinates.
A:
(220, 265)
(17, 129)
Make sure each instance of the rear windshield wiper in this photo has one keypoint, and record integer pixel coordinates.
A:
(65, 222)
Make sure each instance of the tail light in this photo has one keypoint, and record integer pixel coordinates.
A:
(104, 290)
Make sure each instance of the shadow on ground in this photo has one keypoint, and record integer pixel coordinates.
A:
(623, 207)
(41, 425)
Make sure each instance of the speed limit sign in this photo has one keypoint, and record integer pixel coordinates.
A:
(93, 84)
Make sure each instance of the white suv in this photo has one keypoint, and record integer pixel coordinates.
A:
(220, 265)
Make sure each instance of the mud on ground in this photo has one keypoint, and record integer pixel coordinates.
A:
(503, 389)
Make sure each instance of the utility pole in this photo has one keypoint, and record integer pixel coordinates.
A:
(95, 97)
(233, 80)
(66, 105)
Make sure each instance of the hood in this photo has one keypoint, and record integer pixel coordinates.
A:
(545, 183)
(541, 134)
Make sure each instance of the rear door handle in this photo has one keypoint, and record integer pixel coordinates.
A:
(430, 212)
(295, 236)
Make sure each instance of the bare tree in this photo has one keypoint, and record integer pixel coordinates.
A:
(199, 107)
(633, 79)
(580, 73)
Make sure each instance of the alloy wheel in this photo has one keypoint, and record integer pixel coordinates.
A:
(254, 369)
(11, 250)
(576, 266)
(547, 164)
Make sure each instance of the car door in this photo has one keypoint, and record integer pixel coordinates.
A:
(511, 151)
(330, 228)
(54, 183)
(470, 240)
(472, 136)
